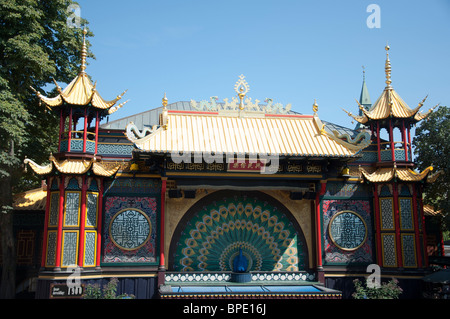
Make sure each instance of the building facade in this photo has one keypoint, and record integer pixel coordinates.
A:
(171, 200)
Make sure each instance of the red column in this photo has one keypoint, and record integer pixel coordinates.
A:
(409, 142)
(319, 193)
(378, 142)
(378, 223)
(60, 223)
(99, 222)
(96, 131)
(85, 131)
(162, 225)
(69, 137)
(61, 129)
(82, 222)
(416, 227)
(397, 225)
(424, 232)
(404, 140)
(391, 138)
(47, 212)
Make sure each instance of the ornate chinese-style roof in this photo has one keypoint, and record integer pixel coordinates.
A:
(238, 128)
(34, 199)
(74, 166)
(81, 91)
(389, 104)
(382, 175)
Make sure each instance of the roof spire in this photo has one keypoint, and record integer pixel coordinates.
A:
(83, 52)
(387, 67)
(364, 98)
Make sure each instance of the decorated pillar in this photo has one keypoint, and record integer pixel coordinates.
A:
(319, 193)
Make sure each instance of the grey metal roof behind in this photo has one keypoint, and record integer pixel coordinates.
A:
(147, 118)
(151, 117)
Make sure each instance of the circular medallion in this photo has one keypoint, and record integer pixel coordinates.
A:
(347, 230)
(130, 229)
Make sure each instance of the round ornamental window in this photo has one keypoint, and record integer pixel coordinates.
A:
(130, 229)
(347, 230)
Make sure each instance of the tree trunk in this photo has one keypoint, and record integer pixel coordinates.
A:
(8, 278)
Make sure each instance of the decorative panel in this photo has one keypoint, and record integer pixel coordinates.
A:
(73, 184)
(115, 149)
(91, 209)
(54, 209)
(136, 186)
(50, 259)
(70, 248)
(90, 242)
(216, 229)
(406, 216)
(130, 229)
(408, 250)
(385, 190)
(389, 250)
(347, 231)
(387, 213)
(72, 211)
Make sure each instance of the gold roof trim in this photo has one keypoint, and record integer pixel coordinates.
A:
(382, 175)
(101, 170)
(81, 91)
(73, 166)
(38, 169)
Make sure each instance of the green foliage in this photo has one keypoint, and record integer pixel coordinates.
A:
(432, 147)
(36, 45)
(389, 290)
(109, 291)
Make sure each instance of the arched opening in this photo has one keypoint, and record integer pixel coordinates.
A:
(214, 230)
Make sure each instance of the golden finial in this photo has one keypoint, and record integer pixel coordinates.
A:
(387, 67)
(164, 100)
(83, 52)
(164, 115)
(315, 106)
(241, 88)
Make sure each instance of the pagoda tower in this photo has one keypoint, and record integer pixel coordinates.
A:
(75, 175)
(397, 188)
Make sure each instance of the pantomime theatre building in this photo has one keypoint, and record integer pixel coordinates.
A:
(232, 198)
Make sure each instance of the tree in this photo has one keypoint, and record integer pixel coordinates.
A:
(432, 147)
(37, 44)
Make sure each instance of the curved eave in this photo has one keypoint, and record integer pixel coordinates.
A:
(32, 200)
(73, 167)
(384, 175)
(80, 92)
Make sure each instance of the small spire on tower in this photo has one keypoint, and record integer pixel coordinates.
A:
(83, 52)
(164, 100)
(387, 67)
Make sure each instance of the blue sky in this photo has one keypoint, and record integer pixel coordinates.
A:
(290, 51)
